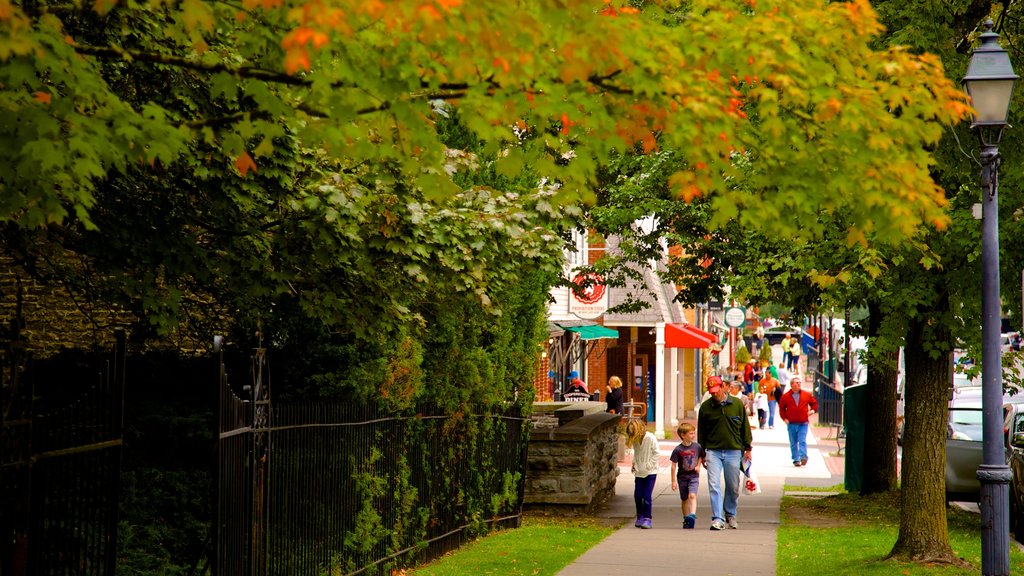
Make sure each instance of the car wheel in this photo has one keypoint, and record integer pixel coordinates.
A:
(899, 435)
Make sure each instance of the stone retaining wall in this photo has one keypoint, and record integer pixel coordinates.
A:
(575, 463)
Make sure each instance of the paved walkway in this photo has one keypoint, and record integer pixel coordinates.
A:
(668, 550)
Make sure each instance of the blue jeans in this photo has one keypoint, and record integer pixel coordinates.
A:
(798, 440)
(771, 412)
(643, 495)
(727, 462)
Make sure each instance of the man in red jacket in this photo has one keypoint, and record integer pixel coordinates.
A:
(795, 407)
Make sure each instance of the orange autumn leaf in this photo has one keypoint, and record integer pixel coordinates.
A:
(649, 143)
(244, 163)
(429, 12)
(691, 192)
(295, 60)
(42, 97)
(683, 185)
(566, 124)
(958, 108)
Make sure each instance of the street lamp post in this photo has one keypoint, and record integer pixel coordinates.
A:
(989, 82)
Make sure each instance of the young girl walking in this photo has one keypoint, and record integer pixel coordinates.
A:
(645, 469)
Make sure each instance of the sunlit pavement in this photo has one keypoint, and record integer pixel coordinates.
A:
(669, 550)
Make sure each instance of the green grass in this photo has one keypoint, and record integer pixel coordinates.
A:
(543, 545)
(797, 488)
(852, 535)
(839, 535)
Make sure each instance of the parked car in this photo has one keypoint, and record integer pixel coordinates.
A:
(961, 386)
(964, 440)
(963, 451)
(775, 334)
(1016, 463)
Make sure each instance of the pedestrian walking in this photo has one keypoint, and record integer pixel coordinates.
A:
(783, 375)
(795, 408)
(773, 390)
(686, 462)
(795, 351)
(723, 433)
(645, 469)
(751, 375)
(787, 342)
(736, 391)
(761, 403)
(613, 395)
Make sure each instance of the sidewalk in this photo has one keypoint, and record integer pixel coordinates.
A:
(668, 550)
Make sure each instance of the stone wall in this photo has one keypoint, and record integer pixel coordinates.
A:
(53, 318)
(573, 455)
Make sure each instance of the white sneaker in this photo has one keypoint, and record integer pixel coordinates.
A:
(731, 521)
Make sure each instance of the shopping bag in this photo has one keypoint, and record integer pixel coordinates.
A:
(750, 483)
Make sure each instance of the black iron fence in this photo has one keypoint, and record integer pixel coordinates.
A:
(830, 400)
(345, 488)
(60, 456)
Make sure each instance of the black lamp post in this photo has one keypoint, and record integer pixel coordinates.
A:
(989, 82)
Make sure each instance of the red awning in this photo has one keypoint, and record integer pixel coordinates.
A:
(685, 336)
(710, 336)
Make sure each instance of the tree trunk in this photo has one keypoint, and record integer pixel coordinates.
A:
(923, 534)
(880, 427)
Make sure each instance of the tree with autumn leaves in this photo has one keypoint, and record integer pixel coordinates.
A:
(207, 156)
(362, 81)
(297, 105)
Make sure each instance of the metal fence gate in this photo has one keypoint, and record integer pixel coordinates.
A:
(60, 458)
(301, 487)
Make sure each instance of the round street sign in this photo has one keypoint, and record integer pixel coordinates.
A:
(735, 317)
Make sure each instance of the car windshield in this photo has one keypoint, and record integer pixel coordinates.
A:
(964, 381)
(965, 424)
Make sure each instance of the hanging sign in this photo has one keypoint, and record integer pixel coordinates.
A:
(592, 300)
(735, 317)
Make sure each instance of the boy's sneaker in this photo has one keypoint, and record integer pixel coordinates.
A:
(646, 524)
(639, 522)
(689, 521)
(717, 524)
(731, 521)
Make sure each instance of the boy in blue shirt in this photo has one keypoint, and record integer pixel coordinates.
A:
(686, 462)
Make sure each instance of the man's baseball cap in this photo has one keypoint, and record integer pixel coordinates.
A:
(714, 383)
